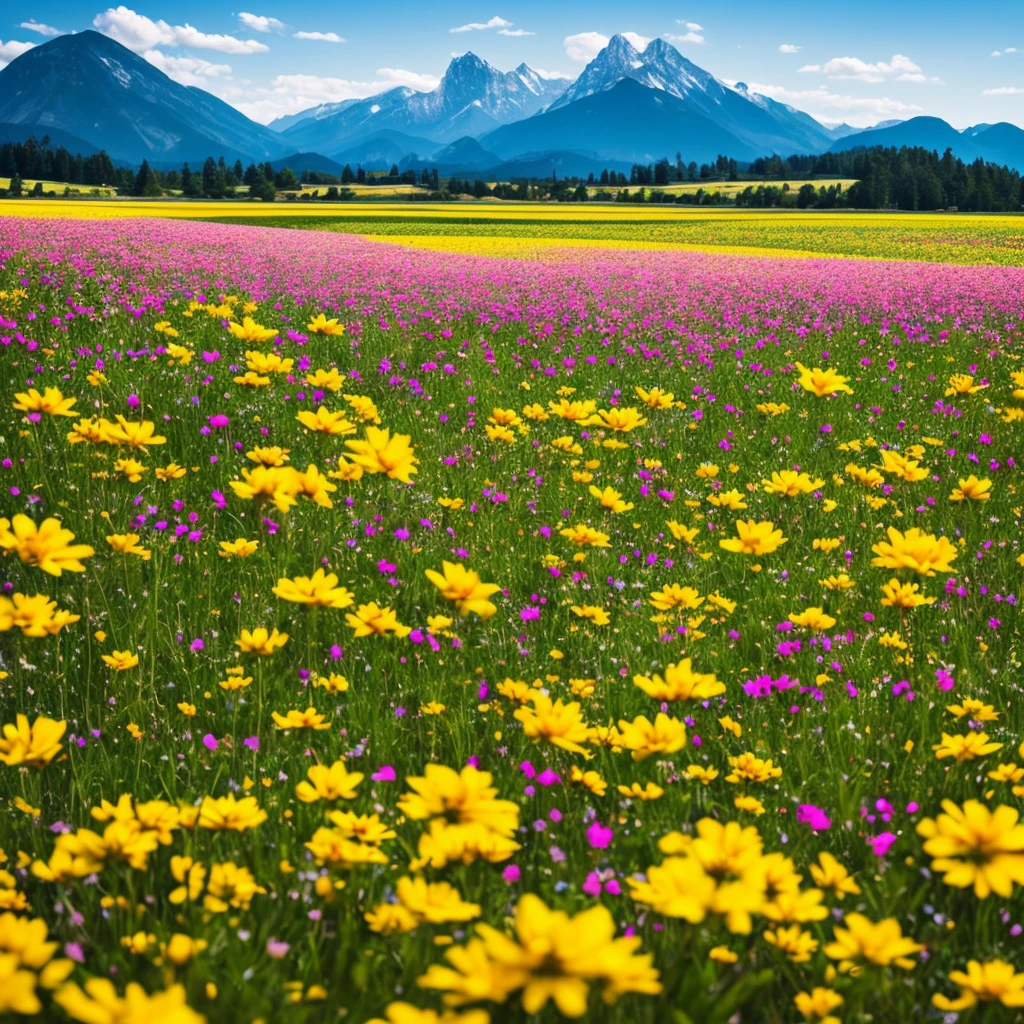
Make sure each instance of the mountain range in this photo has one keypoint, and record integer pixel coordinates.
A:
(628, 105)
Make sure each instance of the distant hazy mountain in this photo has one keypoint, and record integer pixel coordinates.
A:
(93, 87)
(380, 151)
(57, 137)
(928, 132)
(1002, 143)
(473, 98)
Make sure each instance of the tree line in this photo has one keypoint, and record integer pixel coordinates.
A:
(908, 178)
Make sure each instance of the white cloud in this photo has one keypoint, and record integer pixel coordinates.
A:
(687, 37)
(515, 32)
(822, 103)
(323, 37)
(140, 34)
(259, 23)
(557, 75)
(12, 49)
(789, 48)
(639, 41)
(584, 46)
(1004, 90)
(480, 26)
(691, 25)
(288, 94)
(43, 30)
(900, 68)
(187, 70)
(994, 53)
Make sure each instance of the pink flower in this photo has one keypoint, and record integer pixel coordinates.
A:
(599, 836)
(384, 774)
(880, 844)
(808, 814)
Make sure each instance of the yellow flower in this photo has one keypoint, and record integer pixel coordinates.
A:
(965, 748)
(722, 955)
(172, 471)
(100, 1004)
(881, 944)
(923, 552)
(611, 499)
(822, 382)
(818, 1004)
(701, 774)
(128, 544)
(963, 384)
(383, 452)
(267, 483)
(797, 944)
(814, 619)
(552, 956)
(330, 380)
(249, 330)
(229, 814)
(372, 620)
(134, 435)
(750, 768)
(557, 723)
(789, 484)
(592, 613)
(333, 683)
(320, 590)
(465, 588)
(978, 710)
(308, 719)
(590, 779)
(51, 402)
(47, 546)
(323, 421)
(754, 538)
(972, 489)
(680, 683)
(683, 533)
(974, 846)
(131, 468)
(675, 596)
(828, 873)
(34, 745)
(664, 735)
(574, 411)
(903, 595)
(466, 798)
(748, 803)
(121, 661)
(181, 948)
(333, 782)
(994, 981)
(321, 325)
(583, 535)
(656, 398)
(240, 548)
(432, 708)
(638, 792)
(261, 641)
(617, 419)
(434, 902)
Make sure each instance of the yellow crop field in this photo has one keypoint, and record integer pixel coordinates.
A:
(524, 229)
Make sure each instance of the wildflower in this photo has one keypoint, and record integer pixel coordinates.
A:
(320, 590)
(797, 944)
(465, 797)
(121, 661)
(128, 544)
(972, 489)
(559, 724)
(434, 902)
(321, 325)
(975, 846)
(814, 619)
(818, 1004)
(372, 620)
(748, 803)
(240, 548)
(323, 421)
(308, 719)
(229, 814)
(750, 768)
(963, 384)
(862, 940)
(134, 435)
(99, 1003)
(680, 683)
(789, 484)
(590, 779)
(701, 774)
(35, 745)
(382, 452)
(51, 402)
(618, 419)
(583, 535)
(249, 330)
(994, 981)
(329, 782)
(643, 738)
(822, 382)
(611, 499)
(638, 792)
(465, 588)
(261, 641)
(674, 596)
(828, 873)
(903, 595)
(551, 957)
(923, 552)
(592, 613)
(47, 546)
(754, 538)
(965, 748)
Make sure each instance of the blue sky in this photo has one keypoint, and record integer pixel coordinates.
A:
(857, 63)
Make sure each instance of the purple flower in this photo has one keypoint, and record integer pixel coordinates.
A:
(599, 836)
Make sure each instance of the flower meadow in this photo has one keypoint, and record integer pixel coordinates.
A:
(394, 637)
